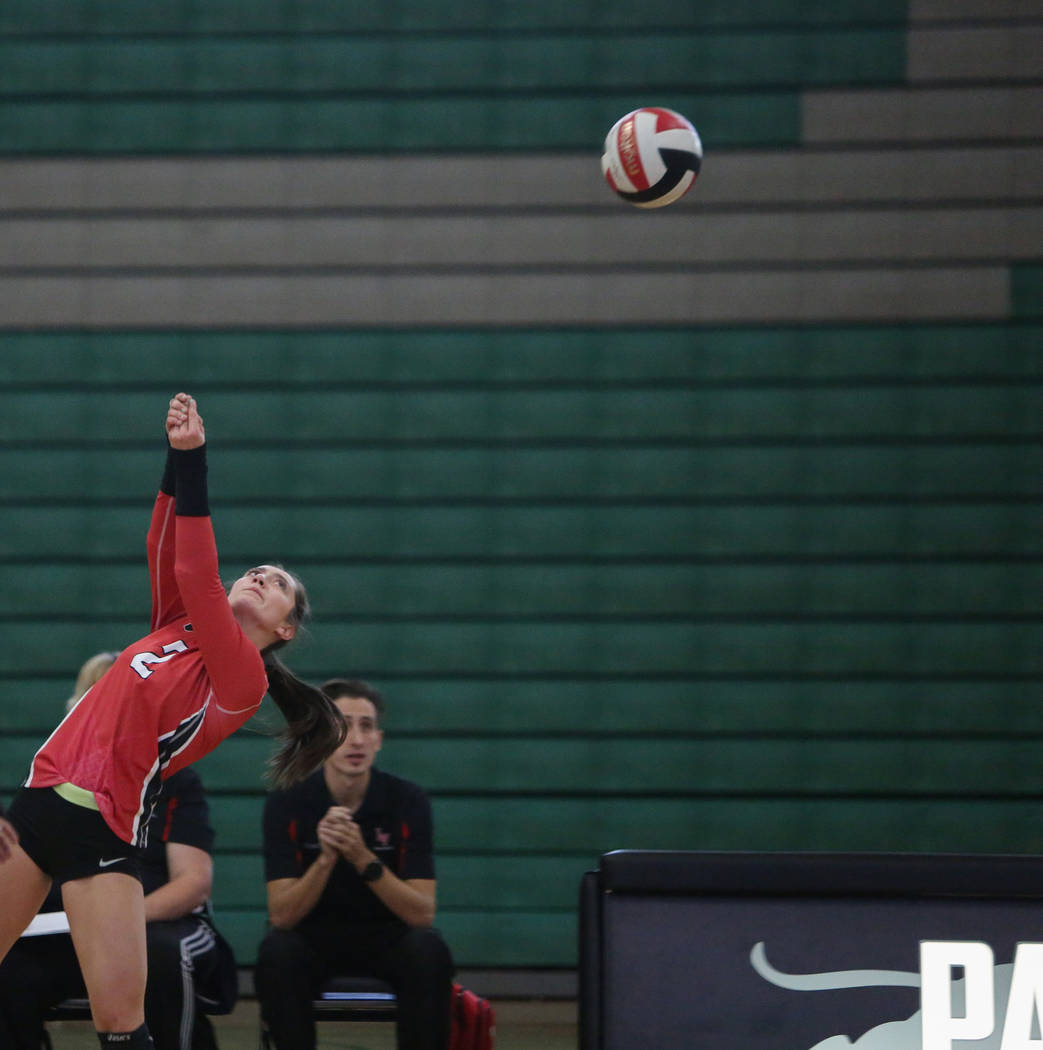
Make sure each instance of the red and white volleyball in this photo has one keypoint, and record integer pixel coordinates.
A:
(652, 157)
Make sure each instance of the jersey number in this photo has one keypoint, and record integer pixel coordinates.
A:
(143, 661)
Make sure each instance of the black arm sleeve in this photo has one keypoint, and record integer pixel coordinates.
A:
(168, 485)
(190, 469)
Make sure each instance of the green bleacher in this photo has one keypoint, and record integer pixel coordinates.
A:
(80, 18)
(731, 589)
(197, 78)
(727, 587)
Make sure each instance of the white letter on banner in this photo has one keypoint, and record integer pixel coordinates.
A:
(1026, 996)
(937, 958)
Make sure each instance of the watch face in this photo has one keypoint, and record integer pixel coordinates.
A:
(372, 871)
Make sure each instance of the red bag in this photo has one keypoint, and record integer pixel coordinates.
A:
(473, 1021)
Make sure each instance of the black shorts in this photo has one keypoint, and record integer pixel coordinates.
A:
(67, 841)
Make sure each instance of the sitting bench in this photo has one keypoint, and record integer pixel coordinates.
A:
(80, 1010)
(349, 999)
(66, 1010)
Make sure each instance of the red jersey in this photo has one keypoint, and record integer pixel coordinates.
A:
(169, 699)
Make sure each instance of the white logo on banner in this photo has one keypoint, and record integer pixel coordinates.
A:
(963, 1014)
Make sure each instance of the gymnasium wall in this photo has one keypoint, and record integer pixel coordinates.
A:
(711, 528)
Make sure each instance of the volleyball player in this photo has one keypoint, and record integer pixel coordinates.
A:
(167, 701)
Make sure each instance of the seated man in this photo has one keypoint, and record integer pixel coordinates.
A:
(187, 961)
(351, 888)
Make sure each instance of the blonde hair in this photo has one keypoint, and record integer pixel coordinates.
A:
(90, 672)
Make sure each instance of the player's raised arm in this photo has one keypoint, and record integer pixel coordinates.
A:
(184, 423)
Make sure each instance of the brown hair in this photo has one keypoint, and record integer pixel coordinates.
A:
(336, 688)
(314, 725)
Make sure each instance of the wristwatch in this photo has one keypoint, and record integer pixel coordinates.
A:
(372, 871)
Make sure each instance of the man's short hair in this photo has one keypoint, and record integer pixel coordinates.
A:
(337, 688)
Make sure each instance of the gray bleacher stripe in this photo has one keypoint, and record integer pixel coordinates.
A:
(350, 181)
(467, 182)
(568, 298)
(943, 115)
(972, 173)
(987, 52)
(959, 10)
(407, 244)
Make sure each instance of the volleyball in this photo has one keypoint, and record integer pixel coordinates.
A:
(652, 157)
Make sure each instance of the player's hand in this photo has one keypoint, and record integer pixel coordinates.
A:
(8, 840)
(184, 423)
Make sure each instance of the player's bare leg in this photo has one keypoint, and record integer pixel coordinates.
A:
(23, 887)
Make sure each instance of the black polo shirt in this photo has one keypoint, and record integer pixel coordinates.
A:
(181, 814)
(395, 821)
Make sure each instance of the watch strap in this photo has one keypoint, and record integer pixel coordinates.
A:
(372, 871)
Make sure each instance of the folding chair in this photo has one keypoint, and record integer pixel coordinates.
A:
(349, 999)
(71, 1010)
(66, 1010)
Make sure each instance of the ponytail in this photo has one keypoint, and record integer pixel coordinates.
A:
(314, 725)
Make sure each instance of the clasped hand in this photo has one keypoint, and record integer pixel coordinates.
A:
(340, 835)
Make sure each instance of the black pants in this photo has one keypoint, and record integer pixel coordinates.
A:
(293, 964)
(41, 971)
